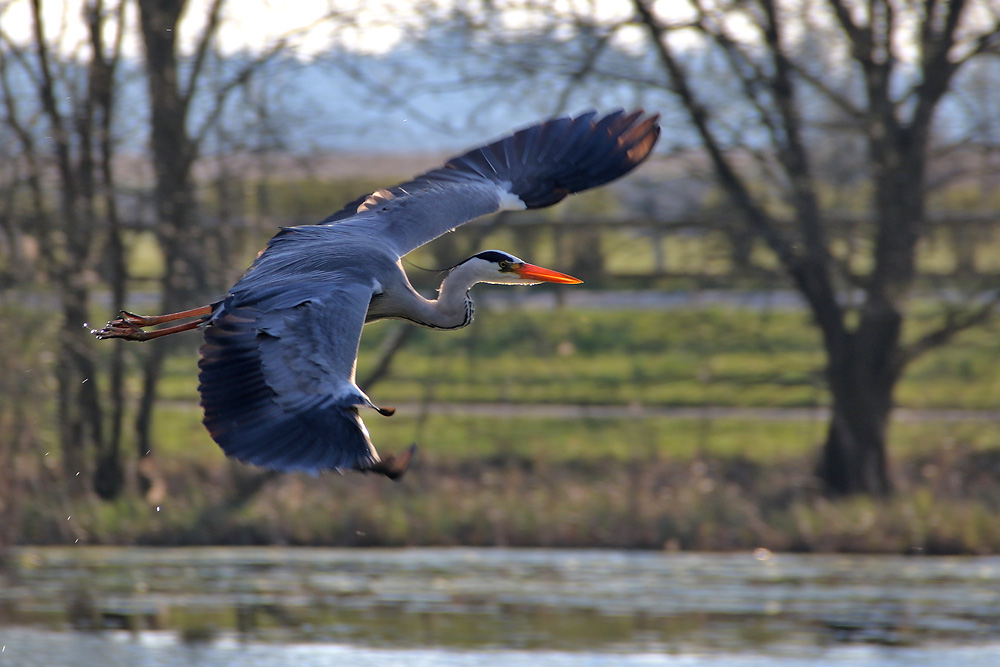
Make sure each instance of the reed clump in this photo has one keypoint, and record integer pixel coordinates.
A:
(946, 503)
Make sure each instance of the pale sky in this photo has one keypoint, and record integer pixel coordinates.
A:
(372, 26)
(247, 25)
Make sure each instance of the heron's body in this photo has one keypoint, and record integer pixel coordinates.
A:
(278, 363)
(334, 255)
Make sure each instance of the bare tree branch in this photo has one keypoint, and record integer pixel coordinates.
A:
(46, 93)
(792, 150)
(955, 323)
(843, 103)
(877, 67)
(859, 38)
(239, 79)
(937, 67)
(988, 42)
(29, 151)
(208, 33)
(751, 75)
(599, 43)
(731, 181)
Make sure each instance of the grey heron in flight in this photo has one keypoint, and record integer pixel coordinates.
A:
(278, 362)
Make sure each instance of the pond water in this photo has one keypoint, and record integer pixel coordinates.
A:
(303, 606)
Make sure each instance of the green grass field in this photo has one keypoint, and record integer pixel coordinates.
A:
(454, 438)
(684, 357)
(652, 482)
(688, 357)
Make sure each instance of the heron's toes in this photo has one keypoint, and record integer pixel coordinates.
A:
(120, 328)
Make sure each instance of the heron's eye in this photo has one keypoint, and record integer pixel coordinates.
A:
(504, 265)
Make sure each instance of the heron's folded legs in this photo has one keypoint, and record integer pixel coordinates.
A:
(153, 320)
(392, 466)
(130, 326)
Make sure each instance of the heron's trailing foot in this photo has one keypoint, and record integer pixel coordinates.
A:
(393, 466)
(130, 326)
(120, 328)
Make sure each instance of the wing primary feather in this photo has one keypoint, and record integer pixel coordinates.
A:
(540, 156)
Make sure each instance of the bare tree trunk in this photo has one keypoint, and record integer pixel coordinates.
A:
(187, 277)
(864, 366)
(173, 156)
(109, 475)
(853, 458)
(80, 409)
(72, 242)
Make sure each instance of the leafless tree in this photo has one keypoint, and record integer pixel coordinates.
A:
(890, 99)
(177, 141)
(61, 142)
(768, 87)
(63, 131)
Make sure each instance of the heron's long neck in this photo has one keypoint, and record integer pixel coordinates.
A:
(453, 309)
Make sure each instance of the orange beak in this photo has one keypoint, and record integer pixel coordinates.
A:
(532, 272)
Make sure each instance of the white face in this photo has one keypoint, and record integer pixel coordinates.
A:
(498, 267)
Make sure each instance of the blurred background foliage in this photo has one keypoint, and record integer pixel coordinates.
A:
(684, 397)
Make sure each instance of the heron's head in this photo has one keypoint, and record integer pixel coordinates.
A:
(498, 267)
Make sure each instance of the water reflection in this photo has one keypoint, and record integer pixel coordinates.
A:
(32, 647)
(457, 604)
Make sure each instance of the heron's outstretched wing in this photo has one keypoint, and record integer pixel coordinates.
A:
(277, 378)
(532, 168)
